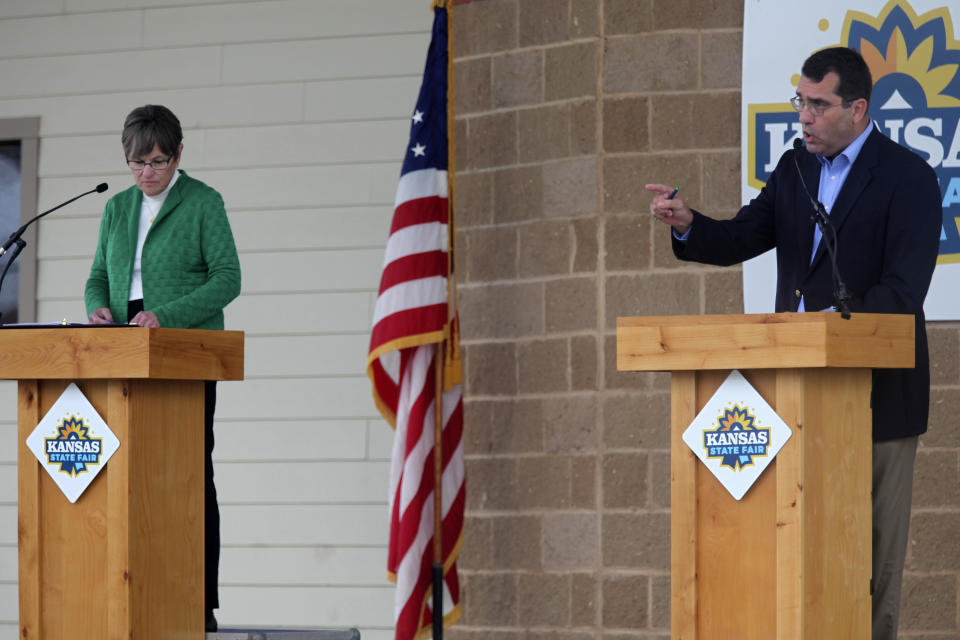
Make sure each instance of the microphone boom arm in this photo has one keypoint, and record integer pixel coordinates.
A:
(820, 217)
(100, 188)
(16, 239)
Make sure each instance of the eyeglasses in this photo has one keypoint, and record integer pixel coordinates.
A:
(816, 108)
(157, 165)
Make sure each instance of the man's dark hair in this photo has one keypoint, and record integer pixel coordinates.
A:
(151, 125)
(855, 79)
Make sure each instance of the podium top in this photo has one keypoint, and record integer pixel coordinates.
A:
(765, 341)
(71, 353)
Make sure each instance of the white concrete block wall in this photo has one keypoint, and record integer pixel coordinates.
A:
(297, 111)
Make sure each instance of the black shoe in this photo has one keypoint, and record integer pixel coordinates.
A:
(211, 621)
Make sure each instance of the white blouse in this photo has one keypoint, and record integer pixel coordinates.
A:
(149, 208)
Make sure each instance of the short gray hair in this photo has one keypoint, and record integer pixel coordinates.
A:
(148, 126)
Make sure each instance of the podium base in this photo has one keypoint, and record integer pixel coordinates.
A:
(283, 634)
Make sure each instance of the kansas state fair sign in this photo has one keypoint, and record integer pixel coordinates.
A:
(913, 49)
(72, 442)
(736, 435)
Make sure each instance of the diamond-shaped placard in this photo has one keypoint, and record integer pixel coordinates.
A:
(72, 442)
(737, 434)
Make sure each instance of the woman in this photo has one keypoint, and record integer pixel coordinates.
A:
(166, 258)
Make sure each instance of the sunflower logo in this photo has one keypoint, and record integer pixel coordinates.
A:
(737, 439)
(900, 46)
(73, 448)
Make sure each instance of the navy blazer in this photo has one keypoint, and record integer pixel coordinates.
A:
(888, 219)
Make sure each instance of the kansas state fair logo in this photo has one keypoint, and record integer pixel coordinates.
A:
(915, 63)
(737, 439)
(72, 448)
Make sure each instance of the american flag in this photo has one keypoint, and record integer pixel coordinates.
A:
(411, 320)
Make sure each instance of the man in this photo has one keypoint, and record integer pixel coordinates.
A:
(884, 202)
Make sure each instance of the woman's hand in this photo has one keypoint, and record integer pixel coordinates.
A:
(101, 316)
(146, 319)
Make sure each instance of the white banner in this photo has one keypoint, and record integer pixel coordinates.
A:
(913, 49)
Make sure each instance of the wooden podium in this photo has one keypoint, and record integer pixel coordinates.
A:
(792, 559)
(125, 560)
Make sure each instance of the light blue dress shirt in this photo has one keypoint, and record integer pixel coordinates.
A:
(832, 176)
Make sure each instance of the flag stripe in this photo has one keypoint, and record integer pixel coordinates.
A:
(410, 295)
(419, 211)
(413, 239)
(410, 322)
(428, 264)
(421, 184)
(414, 399)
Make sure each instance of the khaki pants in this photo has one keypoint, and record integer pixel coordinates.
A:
(892, 491)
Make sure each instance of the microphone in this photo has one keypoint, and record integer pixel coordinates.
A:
(15, 236)
(822, 220)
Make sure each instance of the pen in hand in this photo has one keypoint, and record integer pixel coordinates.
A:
(674, 194)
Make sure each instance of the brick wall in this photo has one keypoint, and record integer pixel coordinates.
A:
(565, 108)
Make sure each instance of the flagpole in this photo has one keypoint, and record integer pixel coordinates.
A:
(438, 559)
(451, 187)
(437, 493)
(440, 355)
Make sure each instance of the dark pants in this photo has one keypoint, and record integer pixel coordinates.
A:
(210, 507)
(211, 521)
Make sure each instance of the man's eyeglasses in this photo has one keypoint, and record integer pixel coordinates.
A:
(816, 108)
(157, 165)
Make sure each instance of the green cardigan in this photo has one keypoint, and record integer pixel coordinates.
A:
(189, 265)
